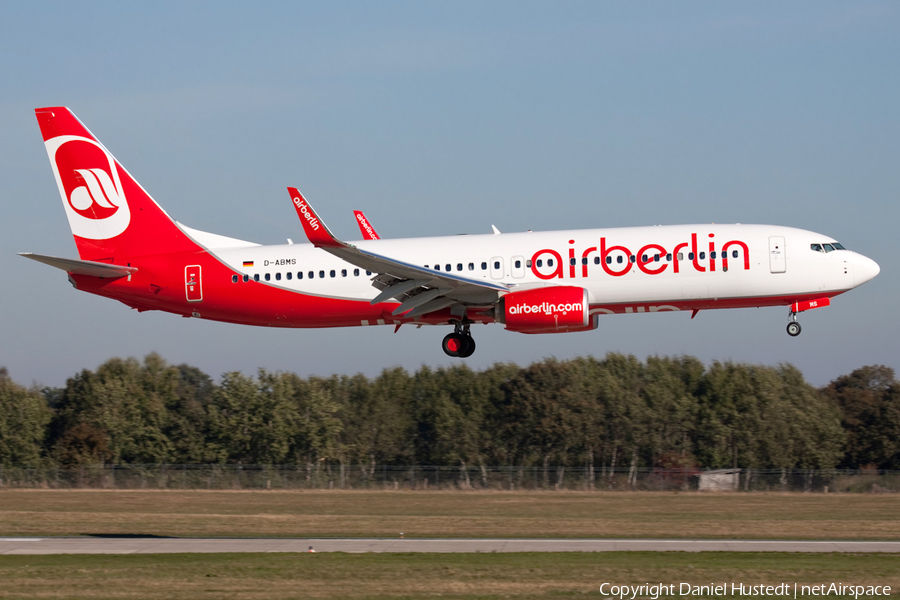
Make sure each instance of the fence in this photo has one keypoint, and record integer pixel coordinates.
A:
(380, 477)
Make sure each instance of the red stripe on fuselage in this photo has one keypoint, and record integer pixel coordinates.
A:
(157, 285)
(708, 303)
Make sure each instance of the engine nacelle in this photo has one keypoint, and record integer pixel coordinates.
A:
(546, 310)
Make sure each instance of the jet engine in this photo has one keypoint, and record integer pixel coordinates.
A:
(546, 310)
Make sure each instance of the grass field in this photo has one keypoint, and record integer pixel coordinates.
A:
(450, 514)
(523, 576)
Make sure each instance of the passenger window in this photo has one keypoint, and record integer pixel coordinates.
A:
(289, 275)
(712, 254)
(549, 263)
(471, 266)
(656, 258)
(528, 263)
(277, 276)
(496, 264)
(459, 266)
(332, 273)
(681, 256)
(484, 266)
(669, 257)
(448, 268)
(540, 263)
(256, 277)
(343, 272)
(246, 278)
(518, 264)
(356, 272)
(268, 277)
(368, 272)
(631, 258)
(644, 259)
(596, 260)
(702, 255)
(690, 256)
(312, 274)
(321, 274)
(437, 267)
(734, 254)
(299, 274)
(573, 262)
(619, 259)
(234, 279)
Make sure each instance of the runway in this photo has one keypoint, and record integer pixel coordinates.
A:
(165, 545)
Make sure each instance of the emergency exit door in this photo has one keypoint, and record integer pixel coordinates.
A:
(193, 285)
(776, 254)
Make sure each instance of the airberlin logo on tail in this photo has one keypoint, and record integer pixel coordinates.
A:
(304, 210)
(88, 180)
(98, 189)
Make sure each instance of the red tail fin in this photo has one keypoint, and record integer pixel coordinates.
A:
(111, 216)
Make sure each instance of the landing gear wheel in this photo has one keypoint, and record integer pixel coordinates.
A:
(468, 347)
(459, 343)
(453, 344)
(793, 328)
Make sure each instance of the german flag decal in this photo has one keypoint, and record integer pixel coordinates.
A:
(248, 263)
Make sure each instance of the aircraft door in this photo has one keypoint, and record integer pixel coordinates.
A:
(193, 285)
(497, 270)
(776, 255)
(517, 266)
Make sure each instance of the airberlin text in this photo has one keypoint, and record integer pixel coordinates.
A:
(362, 221)
(652, 259)
(547, 308)
(795, 590)
(304, 210)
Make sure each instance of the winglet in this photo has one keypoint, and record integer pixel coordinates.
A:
(368, 232)
(314, 228)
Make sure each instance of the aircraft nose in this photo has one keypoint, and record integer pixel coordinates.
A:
(864, 269)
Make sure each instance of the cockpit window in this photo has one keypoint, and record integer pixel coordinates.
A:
(826, 247)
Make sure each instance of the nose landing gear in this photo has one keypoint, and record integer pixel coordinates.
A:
(793, 327)
(459, 343)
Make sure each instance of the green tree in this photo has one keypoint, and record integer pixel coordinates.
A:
(869, 402)
(24, 417)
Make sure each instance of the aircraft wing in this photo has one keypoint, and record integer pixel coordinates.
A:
(82, 267)
(419, 290)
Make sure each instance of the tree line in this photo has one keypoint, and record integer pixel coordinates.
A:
(665, 412)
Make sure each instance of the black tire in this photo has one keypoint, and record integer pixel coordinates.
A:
(453, 343)
(468, 347)
(793, 329)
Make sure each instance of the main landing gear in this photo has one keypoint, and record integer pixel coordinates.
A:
(460, 342)
(793, 327)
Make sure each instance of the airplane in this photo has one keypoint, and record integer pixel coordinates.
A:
(130, 250)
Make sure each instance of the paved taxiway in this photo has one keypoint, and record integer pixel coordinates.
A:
(163, 545)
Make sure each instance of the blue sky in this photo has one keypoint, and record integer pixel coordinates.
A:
(443, 118)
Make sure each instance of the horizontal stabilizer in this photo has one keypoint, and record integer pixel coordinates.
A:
(82, 267)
